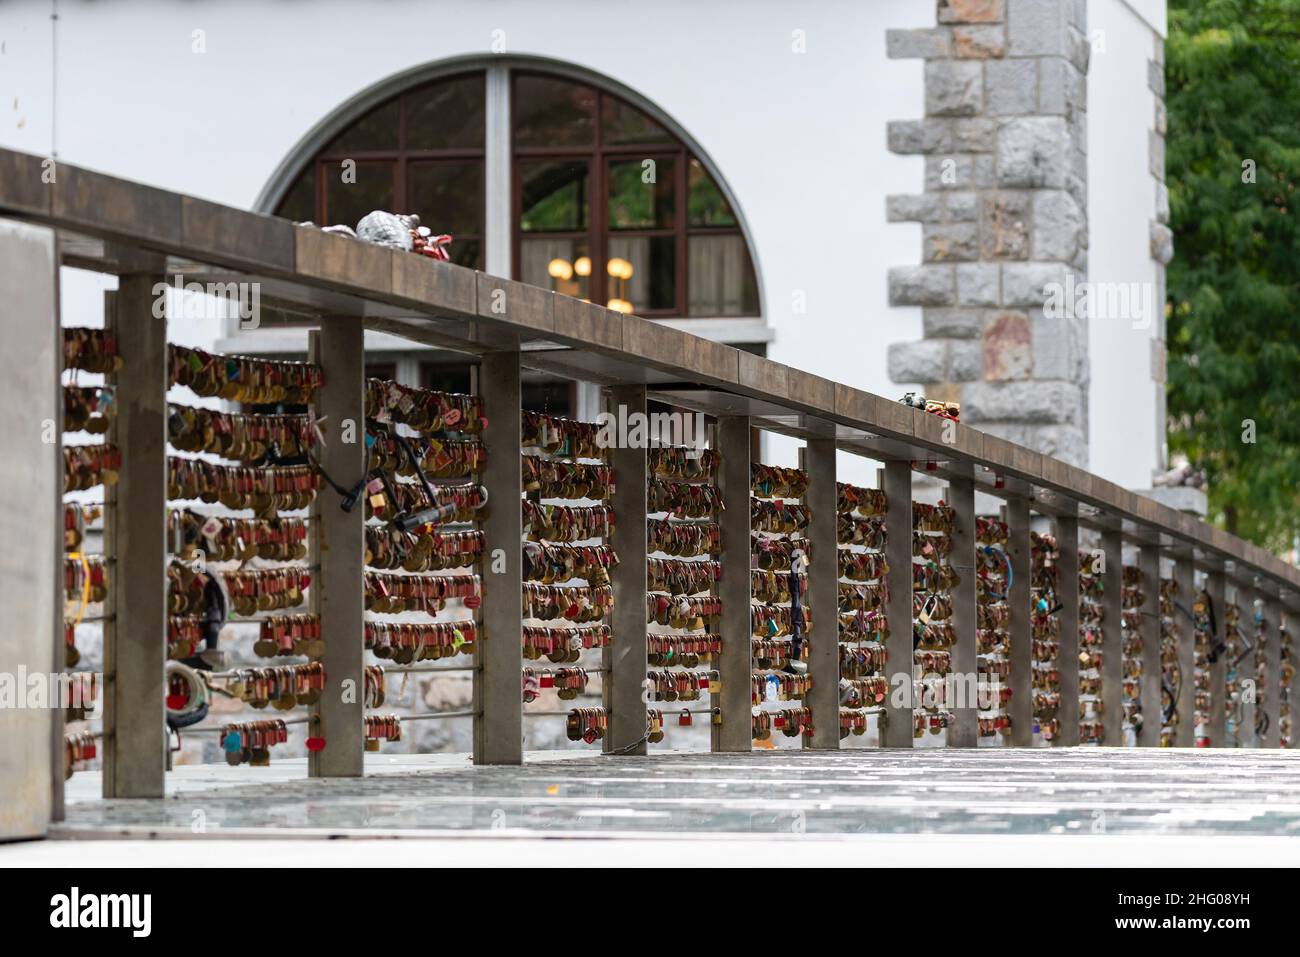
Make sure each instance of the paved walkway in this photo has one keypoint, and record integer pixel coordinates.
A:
(767, 795)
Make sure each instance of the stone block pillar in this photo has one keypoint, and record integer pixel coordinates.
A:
(1003, 219)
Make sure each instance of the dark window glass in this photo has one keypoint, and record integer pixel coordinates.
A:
(467, 252)
(722, 281)
(346, 203)
(445, 376)
(555, 195)
(551, 112)
(621, 124)
(299, 204)
(381, 370)
(446, 115)
(447, 196)
(556, 263)
(708, 207)
(642, 193)
(550, 397)
(642, 273)
(377, 130)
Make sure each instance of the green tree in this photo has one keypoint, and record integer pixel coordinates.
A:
(1233, 160)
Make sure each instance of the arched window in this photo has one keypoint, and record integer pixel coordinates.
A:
(421, 151)
(606, 203)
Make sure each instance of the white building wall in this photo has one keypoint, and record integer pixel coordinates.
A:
(798, 136)
(1125, 440)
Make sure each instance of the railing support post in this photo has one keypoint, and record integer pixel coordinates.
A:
(1249, 702)
(1184, 581)
(823, 595)
(1112, 645)
(736, 667)
(339, 349)
(896, 480)
(498, 657)
(31, 567)
(964, 731)
(625, 659)
(1216, 588)
(135, 738)
(1272, 652)
(1021, 630)
(1284, 621)
(1067, 653)
(1152, 668)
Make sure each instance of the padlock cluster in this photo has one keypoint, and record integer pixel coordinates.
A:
(1171, 636)
(683, 541)
(566, 523)
(427, 411)
(1202, 642)
(1092, 623)
(567, 683)
(223, 539)
(779, 608)
(567, 558)
(405, 642)
(555, 562)
(87, 409)
(1235, 641)
(863, 625)
(422, 504)
(88, 466)
(389, 547)
(1257, 628)
(380, 728)
(250, 742)
(392, 593)
(227, 567)
(1286, 718)
(91, 463)
(791, 722)
(587, 725)
(933, 577)
(250, 439)
(91, 350)
(282, 636)
(79, 748)
(85, 579)
(564, 644)
(1045, 632)
(283, 687)
(243, 378)
(992, 620)
(1132, 597)
(441, 458)
(82, 690)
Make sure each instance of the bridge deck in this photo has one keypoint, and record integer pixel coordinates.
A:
(1084, 791)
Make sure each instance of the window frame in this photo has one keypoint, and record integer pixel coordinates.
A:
(501, 187)
(599, 156)
(401, 157)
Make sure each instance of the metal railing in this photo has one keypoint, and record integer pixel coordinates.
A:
(144, 235)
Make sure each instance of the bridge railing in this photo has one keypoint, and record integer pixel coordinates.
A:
(930, 604)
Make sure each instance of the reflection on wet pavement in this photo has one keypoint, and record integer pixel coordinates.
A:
(1081, 791)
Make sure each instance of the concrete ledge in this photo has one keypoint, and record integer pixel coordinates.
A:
(1181, 498)
(136, 215)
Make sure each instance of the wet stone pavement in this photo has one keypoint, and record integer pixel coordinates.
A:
(860, 792)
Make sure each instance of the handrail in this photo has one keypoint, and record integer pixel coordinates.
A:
(474, 312)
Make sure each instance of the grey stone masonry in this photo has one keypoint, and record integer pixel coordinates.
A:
(1003, 217)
